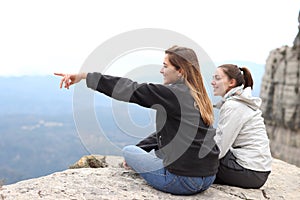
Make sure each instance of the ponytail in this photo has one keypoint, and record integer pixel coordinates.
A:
(247, 77)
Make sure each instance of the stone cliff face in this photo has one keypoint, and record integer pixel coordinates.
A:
(111, 181)
(280, 93)
(280, 90)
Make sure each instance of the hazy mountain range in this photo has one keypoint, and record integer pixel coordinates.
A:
(40, 136)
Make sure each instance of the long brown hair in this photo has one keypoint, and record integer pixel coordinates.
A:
(186, 59)
(242, 75)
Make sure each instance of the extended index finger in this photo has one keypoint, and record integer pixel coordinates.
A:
(59, 74)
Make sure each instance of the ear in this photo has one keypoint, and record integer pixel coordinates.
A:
(180, 72)
(232, 83)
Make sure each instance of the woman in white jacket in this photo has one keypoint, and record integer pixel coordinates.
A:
(245, 158)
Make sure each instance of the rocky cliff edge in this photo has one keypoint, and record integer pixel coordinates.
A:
(111, 181)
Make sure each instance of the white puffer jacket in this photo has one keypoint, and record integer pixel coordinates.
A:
(241, 130)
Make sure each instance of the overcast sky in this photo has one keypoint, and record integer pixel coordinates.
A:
(39, 37)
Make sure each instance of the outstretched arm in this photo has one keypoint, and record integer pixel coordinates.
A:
(70, 79)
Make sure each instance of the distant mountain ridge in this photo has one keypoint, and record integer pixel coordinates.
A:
(33, 94)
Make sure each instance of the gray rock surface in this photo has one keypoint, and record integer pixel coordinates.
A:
(280, 93)
(115, 182)
(280, 88)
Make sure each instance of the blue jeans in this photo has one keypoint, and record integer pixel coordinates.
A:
(151, 168)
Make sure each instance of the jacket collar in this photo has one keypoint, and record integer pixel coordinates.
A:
(242, 95)
(234, 91)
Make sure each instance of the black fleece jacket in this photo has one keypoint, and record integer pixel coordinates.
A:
(185, 143)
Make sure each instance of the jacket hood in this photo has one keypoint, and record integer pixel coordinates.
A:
(242, 95)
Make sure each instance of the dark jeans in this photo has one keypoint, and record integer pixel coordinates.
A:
(233, 174)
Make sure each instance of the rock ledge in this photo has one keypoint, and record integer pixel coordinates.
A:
(115, 182)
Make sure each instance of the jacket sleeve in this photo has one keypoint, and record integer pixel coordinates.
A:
(229, 125)
(149, 143)
(124, 89)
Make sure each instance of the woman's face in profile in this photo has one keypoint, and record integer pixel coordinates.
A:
(220, 82)
(169, 72)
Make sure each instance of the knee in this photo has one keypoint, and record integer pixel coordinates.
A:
(128, 150)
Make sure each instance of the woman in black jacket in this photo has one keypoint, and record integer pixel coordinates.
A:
(186, 156)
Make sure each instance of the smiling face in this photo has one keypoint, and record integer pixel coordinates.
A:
(221, 83)
(169, 72)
